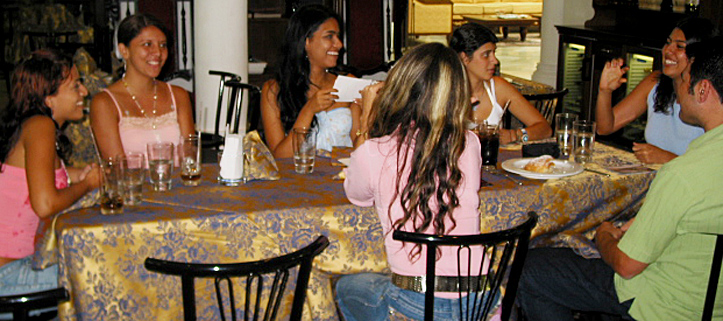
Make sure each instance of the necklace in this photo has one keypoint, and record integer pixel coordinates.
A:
(143, 111)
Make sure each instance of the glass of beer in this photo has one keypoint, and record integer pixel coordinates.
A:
(189, 152)
(111, 187)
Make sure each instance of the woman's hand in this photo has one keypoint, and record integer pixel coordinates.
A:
(369, 94)
(323, 99)
(91, 175)
(649, 154)
(508, 136)
(612, 75)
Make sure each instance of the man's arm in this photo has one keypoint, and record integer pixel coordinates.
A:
(607, 238)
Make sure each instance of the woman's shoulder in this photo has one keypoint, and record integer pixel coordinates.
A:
(271, 85)
(37, 125)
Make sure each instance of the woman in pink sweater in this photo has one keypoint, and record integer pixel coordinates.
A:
(420, 168)
(46, 92)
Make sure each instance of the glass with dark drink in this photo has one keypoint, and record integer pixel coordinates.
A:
(489, 138)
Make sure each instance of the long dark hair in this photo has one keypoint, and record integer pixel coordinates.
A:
(34, 79)
(695, 30)
(469, 37)
(425, 104)
(293, 74)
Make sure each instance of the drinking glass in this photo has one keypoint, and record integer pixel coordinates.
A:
(134, 165)
(111, 187)
(160, 165)
(304, 142)
(489, 138)
(583, 136)
(563, 131)
(190, 155)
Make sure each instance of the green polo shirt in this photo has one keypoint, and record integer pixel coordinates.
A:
(684, 202)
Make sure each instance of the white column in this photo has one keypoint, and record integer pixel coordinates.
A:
(220, 43)
(557, 12)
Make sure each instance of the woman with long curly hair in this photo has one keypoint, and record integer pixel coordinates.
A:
(420, 169)
(46, 92)
(302, 94)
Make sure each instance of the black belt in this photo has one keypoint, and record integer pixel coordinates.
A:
(441, 283)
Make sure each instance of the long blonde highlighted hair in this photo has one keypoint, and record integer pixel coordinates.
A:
(425, 104)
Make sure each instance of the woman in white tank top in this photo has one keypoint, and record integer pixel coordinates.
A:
(475, 45)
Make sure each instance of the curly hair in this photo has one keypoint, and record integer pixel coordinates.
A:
(32, 81)
(293, 74)
(424, 106)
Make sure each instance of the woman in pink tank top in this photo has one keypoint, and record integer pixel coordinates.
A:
(34, 183)
(139, 109)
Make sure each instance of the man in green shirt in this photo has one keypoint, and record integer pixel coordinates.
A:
(657, 266)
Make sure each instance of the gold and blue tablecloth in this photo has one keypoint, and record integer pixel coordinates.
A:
(101, 257)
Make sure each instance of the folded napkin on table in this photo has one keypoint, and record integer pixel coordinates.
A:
(261, 164)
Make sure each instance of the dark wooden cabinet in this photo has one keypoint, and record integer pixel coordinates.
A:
(583, 52)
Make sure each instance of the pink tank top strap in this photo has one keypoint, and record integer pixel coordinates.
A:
(173, 98)
(115, 102)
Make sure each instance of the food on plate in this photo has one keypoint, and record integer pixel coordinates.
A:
(542, 164)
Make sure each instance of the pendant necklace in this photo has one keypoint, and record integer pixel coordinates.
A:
(155, 98)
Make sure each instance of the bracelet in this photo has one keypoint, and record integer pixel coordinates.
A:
(360, 133)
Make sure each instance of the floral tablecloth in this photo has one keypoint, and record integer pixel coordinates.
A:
(101, 257)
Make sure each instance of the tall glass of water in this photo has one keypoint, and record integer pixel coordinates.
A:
(563, 131)
(583, 136)
(304, 141)
(160, 165)
(134, 164)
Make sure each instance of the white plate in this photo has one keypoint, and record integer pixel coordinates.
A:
(345, 161)
(562, 168)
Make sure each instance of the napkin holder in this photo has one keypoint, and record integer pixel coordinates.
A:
(231, 164)
(539, 149)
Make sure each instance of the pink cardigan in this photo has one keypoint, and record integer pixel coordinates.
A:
(370, 180)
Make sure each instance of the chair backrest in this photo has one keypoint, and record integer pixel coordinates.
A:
(21, 304)
(505, 250)
(547, 104)
(713, 279)
(236, 93)
(252, 273)
(225, 76)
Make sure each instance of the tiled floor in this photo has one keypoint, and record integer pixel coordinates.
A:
(516, 58)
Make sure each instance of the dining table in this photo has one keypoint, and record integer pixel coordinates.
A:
(101, 257)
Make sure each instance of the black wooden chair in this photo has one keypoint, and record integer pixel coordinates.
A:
(506, 251)
(547, 104)
(20, 305)
(713, 279)
(216, 140)
(252, 273)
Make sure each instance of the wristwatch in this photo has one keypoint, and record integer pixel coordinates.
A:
(524, 138)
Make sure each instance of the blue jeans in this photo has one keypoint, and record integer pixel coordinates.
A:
(369, 297)
(18, 277)
(556, 281)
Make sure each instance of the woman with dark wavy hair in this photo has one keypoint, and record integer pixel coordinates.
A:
(476, 45)
(420, 168)
(45, 93)
(666, 135)
(302, 95)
